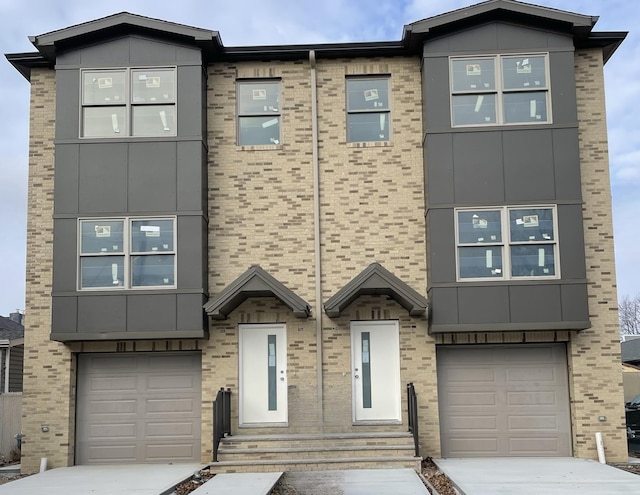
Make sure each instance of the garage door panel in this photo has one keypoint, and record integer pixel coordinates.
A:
(171, 383)
(113, 406)
(112, 431)
(533, 422)
(525, 406)
(524, 398)
(170, 429)
(472, 423)
(170, 452)
(154, 416)
(169, 406)
(475, 398)
(473, 446)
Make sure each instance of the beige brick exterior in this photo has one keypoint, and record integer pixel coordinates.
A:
(261, 211)
(594, 354)
(371, 210)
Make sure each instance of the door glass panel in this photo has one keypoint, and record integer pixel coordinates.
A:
(366, 370)
(272, 373)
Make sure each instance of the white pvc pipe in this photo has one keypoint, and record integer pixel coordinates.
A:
(43, 464)
(600, 448)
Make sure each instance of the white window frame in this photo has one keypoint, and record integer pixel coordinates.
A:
(270, 111)
(129, 105)
(127, 253)
(384, 109)
(505, 243)
(500, 91)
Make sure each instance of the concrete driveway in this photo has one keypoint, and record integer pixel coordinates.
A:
(537, 476)
(132, 479)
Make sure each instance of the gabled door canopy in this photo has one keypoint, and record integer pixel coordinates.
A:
(376, 280)
(255, 282)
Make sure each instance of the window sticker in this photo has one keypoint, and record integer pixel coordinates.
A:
(479, 223)
(473, 70)
(530, 220)
(371, 94)
(103, 230)
(150, 230)
(105, 82)
(259, 94)
(523, 66)
(153, 82)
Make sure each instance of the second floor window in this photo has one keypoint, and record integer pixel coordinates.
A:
(126, 253)
(259, 112)
(368, 109)
(507, 243)
(128, 102)
(500, 90)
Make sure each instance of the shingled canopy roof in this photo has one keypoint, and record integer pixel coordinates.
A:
(255, 282)
(376, 280)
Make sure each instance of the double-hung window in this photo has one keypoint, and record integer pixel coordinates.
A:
(500, 90)
(128, 102)
(126, 253)
(507, 243)
(368, 110)
(259, 112)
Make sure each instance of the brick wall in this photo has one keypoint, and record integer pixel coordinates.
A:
(48, 376)
(371, 209)
(594, 354)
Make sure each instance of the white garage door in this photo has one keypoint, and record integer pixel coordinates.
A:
(138, 408)
(504, 401)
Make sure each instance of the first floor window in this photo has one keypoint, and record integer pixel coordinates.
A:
(499, 90)
(126, 253)
(259, 112)
(368, 110)
(507, 243)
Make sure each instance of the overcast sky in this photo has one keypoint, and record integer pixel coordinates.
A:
(273, 22)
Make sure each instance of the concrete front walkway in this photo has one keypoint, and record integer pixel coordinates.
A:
(356, 482)
(537, 476)
(132, 479)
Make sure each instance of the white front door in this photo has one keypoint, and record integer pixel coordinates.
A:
(375, 362)
(263, 374)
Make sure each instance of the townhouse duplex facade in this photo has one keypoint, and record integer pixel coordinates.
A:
(312, 228)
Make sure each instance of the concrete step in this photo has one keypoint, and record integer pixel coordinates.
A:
(291, 452)
(316, 464)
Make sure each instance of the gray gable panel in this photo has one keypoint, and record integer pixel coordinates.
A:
(376, 280)
(255, 282)
(630, 350)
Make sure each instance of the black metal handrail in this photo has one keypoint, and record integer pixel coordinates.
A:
(221, 418)
(412, 406)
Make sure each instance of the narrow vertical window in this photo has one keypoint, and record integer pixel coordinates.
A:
(368, 109)
(366, 370)
(272, 373)
(259, 112)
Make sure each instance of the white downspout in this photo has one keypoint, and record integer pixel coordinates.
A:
(7, 362)
(316, 233)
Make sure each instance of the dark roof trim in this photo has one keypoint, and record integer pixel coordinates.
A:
(255, 282)
(49, 44)
(376, 280)
(494, 8)
(414, 36)
(24, 62)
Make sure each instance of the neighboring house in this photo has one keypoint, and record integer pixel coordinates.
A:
(630, 351)
(11, 353)
(11, 359)
(314, 227)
